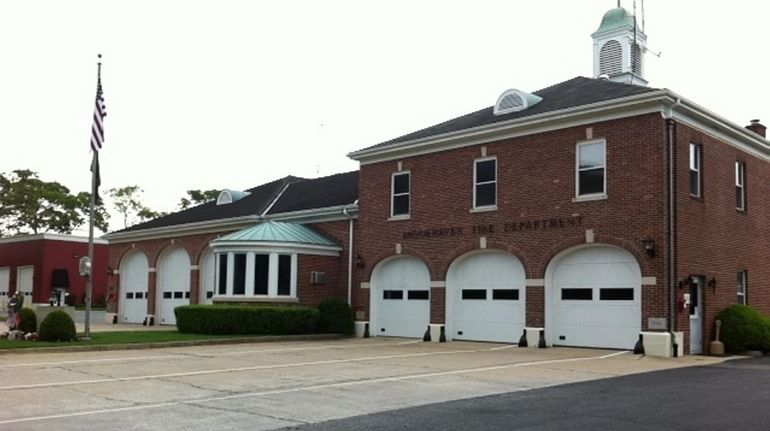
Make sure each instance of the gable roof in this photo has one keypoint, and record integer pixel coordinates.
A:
(568, 94)
(283, 195)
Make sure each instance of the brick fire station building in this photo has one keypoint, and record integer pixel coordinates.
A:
(589, 211)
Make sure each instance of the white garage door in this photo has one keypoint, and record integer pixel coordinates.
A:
(486, 297)
(25, 276)
(595, 299)
(206, 272)
(173, 284)
(133, 287)
(400, 298)
(5, 283)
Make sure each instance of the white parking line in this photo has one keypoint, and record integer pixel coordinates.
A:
(212, 354)
(232, 370)
(304, 389)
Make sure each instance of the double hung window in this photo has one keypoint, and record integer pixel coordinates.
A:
(485, 183)
(591, 169)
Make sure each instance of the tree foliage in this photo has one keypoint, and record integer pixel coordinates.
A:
(31, 205)
(127, 201)
(197, 197)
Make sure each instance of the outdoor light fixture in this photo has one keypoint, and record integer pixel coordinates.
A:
(649, 246)
(359, 261)
(687, 282)
(713, 284)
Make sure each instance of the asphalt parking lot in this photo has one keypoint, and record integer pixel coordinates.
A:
(282, 384)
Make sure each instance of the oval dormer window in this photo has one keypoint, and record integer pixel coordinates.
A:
(230, 196)
(515, 100)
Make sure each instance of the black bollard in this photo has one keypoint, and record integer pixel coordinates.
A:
(523, 339)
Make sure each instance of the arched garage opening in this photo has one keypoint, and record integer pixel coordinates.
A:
(485, 297)
(206, 272)
(173, 283)
(400, 297)
(133, 288)
(593, 298)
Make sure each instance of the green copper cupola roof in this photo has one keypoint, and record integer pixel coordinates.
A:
(277, 232)
(616, 18)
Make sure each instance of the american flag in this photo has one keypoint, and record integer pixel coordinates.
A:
(97, 130)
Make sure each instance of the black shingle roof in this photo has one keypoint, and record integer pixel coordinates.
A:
(334, 190)
(568, 94)
(301, 194)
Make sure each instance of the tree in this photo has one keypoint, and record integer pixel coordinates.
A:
(197, 197)
(31, 205)
(127, 201)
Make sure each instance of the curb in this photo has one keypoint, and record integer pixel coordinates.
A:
(166, 344)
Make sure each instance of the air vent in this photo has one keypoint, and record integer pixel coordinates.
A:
(318, 277)
(611, 58)
(515, 100)
(230, 196)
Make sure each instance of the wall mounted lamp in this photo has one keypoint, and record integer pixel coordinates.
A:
(712, 284)
(649, 246)
(359, 261)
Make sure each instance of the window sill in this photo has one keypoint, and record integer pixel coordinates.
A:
(697, 198)
(589, 198)
(484, 209)
(740, 210)
(399, 217)
(284, 299)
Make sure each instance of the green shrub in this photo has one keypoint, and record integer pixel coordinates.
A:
(245, 320)
(335, 316)
(27, 320)
(57, 326)
(744, 328)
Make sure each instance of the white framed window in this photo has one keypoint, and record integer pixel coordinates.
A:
(485, 183)
(740, 186)
(256, 274)
(400, 191)
(742, 287)
(591, 169)
(695, 170)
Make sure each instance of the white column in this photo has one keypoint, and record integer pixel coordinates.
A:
(250, 273)
(272, 275)
(230, 272)
(293, 283)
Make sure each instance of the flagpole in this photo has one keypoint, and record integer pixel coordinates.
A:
(89, 278)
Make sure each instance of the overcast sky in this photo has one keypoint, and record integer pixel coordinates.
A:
(232, 94)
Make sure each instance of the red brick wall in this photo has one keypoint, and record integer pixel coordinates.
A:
(308, 294)
(714, 239)
(536, 181)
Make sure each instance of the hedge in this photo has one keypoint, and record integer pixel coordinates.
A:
(245, 320)
(27, 320)
(57, 326)
(335, 317)
(744, 328)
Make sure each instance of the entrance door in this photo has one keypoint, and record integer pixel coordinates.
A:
(696, 314)
(24, 279)
(5, 283)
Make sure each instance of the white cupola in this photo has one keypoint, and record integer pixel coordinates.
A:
(619, 46)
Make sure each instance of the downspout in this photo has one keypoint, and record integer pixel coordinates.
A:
(350, 252)
(671, 224)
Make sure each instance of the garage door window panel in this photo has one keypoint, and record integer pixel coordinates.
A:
(418, 294)
(591, 169)
(616, 294)
(393, 294)
(577, 294)
(474, 294)
(505, 294)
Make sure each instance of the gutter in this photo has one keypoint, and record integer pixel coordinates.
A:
(350, 251)
(671, 224)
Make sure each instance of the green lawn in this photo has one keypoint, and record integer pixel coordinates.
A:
(116, 337)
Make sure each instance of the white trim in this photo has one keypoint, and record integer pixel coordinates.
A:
(317, 215)
(393, 195)
(400, 218)
(535, 282)
(277, 196)
(476, 162)
(50, 237)
(740, 183)
(590, 196)
(253, 298)
(665, 102)
(193, 267)
(483, 209)
(278, 247)
(698, 167)
(365, 285)
(649, 281)
(437, 284)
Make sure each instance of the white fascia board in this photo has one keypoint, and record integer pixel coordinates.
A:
(691, 114)
(554, 120)
(50, 237)
(274, 247)
(208, 226)
(316, 215)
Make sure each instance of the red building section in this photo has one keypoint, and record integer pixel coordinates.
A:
(38, 264)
